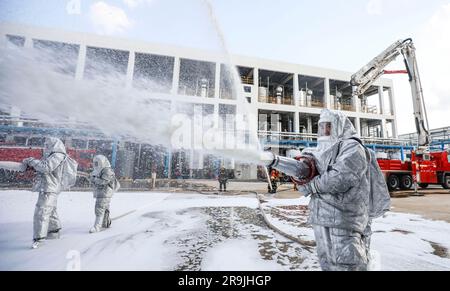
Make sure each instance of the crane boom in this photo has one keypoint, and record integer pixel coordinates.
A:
(367, 75)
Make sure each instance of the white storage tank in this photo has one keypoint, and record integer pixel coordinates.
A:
(302, 99)
(263, 93)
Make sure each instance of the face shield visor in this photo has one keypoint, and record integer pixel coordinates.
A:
(48, 147)
(325, 129)
(97, 165)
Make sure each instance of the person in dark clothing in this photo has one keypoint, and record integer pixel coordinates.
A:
(274, 178)
(223, 179)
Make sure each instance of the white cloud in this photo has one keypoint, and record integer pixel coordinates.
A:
(135, 3)
(433, 47)
(108, 19)
(375, 7)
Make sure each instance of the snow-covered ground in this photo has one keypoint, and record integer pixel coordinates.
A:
(157, 231)
(399, 241)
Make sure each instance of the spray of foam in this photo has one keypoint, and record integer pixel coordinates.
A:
(256, 155)
(39, 86)
(39, 89)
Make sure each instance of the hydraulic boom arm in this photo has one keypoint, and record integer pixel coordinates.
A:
(366, 76)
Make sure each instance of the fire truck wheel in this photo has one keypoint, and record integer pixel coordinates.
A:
(3, 178)
(446, 183)
(393, 182)
(423, 186)
(406, 182)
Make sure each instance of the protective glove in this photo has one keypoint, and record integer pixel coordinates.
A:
(308, 189)
(305, 189)
(27, 161)
(304, 170)
(92, 177)
(96, 180)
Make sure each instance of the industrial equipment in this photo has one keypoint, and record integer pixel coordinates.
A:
(425, 167)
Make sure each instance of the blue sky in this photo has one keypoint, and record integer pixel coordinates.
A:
(339, 34)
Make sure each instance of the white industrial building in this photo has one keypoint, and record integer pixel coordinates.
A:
(287, 98)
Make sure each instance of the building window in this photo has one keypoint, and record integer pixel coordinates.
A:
(106, 63)
(153, 72)
(20, 141)
(312, 91)
(36, 142)
(79, 144)
(16, 40)
(197, 78)
(63, 55)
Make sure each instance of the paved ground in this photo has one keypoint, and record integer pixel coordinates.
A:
(431, 206)
(434, 205)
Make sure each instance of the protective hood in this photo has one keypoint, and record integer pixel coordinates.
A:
(100, 162)
(53, 145)
(341, 128)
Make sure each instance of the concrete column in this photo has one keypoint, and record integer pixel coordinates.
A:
(191, 163)
(358, 125)
(381, 96)
(28, 42)
(296, 93)
(357, 103)
(392, 101)
(296, 122)
(81, 62)
(168, 166)
(176, 76)
(216, 115)
(130, 68)
(256, 84)
(384, 133)
(309, 125)
(253, 125)
(326, 96)
(217, 82)
(393, 112)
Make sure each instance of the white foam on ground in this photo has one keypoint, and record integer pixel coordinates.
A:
(237, 255)
(151, 238)
(399, 241)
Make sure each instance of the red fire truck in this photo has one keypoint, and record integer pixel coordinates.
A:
(426, 167)
(431, 168)
(17, 153)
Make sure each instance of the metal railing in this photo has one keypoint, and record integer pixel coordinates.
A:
(247, 80)
(439, 134)
(27, 121)
(272, 137)
(285, 100)
(369, 109)
(346, 105)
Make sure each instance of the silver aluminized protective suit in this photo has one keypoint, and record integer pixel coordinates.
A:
(49, 171)
(339, 207)
(103, 180)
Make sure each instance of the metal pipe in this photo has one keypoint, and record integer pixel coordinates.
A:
(290, 167)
